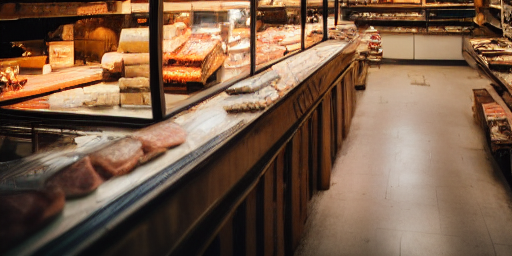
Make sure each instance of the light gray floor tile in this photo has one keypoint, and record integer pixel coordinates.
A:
(414, 175)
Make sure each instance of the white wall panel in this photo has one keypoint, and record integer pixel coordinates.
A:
(437, 47)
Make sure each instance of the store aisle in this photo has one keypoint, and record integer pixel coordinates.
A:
(413, 177)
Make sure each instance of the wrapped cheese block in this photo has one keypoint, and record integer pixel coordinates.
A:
(103, 94)
(135, 91)
(67, 99)
(135, 99)
(78, 179)
(134, 84)
(165, 134)
(136, 40)
(114, 62)
(136, 71)
(117, 159)
(24, 212)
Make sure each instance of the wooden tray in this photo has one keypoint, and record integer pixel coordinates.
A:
(65, 78)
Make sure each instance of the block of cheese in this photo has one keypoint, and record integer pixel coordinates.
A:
(22, 213)
(119, 158)
(135, 98)
(136, 71)
(79, 179)
(112, 62)
(67, 99)
(102, 94)
(136, 84)
(136, 40)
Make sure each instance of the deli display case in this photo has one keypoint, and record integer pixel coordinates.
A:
(164, 127)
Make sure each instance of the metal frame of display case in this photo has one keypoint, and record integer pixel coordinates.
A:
(426, 20)
(156, 85)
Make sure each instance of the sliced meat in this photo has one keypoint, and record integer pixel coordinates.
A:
(78, 179)
(165, 134)
(23, 213)
(117, 159)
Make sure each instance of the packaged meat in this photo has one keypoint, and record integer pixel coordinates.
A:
(259, 100)
(165, 134)
(24, 212)
(117, 159)
(254, 83)
(181, 74)
(207, 55)
(79, 179)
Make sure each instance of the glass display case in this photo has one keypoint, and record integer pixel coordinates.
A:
(93, 61)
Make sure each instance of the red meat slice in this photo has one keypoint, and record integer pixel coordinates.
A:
(117, 159)
(161, 135)
(23, 213)
(79, 179)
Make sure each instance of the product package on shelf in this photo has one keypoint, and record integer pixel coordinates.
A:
(195, 61)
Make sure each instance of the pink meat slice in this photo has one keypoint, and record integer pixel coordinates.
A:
(23, 213)
(79, 179)
(117, 159)
(165, 134)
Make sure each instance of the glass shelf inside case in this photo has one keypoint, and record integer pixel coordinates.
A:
(278, 31)
(78, 65)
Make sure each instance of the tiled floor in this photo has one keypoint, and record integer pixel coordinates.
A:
(413, 177)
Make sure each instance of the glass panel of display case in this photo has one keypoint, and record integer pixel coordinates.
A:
(277, 30)
(314, 22)
(210, 45)
(331, 15)
(449, 1)
(82, 59)
(507, 19)
(370, 2)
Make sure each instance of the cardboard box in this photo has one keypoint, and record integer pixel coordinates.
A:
(62, 54)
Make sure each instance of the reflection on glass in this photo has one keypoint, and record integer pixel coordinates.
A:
(314, 22)
(211, 46)
(331, 15)
(278, 30)
(97, 65)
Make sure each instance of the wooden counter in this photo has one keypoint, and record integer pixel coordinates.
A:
(245, 191)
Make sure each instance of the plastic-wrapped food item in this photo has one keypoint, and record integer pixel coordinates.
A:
(251, 102)
(24, 212)
(181, 74)
(78, 179)
(165, 134)
(117, 159)
(268, 52)
(254, 83)
(193, 53)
